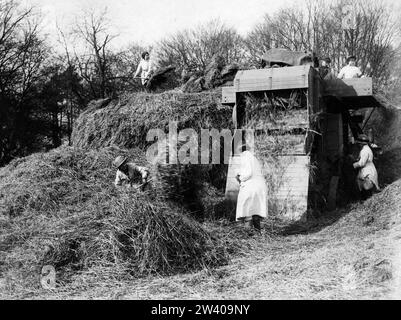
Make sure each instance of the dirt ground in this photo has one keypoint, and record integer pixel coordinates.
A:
(348, 254)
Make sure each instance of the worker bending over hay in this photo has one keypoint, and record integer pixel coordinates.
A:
(129, 172)
(252, 196)
(367, 179)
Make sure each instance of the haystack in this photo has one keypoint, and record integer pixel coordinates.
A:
(190, 185)
(61, 208)
(213, 72)
(125, 122)
(217, 73)
(163, 79)
(194, 84)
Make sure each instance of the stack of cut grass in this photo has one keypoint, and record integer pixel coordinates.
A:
(125, 122)
(181, 183)
(276, 110)
(280, 120)
(163, 79)
(61, 208)
(188, 184)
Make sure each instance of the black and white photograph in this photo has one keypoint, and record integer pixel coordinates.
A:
(219, 150)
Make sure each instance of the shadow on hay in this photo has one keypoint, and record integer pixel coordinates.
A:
(389, 166)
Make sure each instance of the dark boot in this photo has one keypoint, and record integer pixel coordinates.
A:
(366, 194)
(256, 222)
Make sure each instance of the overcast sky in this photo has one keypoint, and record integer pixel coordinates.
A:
(145, 22)
(148, 21)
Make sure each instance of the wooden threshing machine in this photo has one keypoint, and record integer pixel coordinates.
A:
(302, 127)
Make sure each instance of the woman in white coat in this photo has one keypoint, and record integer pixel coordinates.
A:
(252, 196)
(367, 179)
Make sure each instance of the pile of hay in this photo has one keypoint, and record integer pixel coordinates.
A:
(283, 110)
(164, 78)
(125, 122)
(217, 73)
(190, 185)
(61, 208)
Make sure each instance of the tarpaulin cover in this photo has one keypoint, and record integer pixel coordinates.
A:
(279, 55)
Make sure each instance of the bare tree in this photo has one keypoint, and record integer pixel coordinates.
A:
(22, 50)
(258, 41)
(123, 64)
(22, 55)
(193, 49)
(92, 31)
(317, 26)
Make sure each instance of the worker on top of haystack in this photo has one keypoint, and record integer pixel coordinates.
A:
(130, 173)
(145, 68)
(325, 69)
(350, 70)
(367, 178)
(252, 196)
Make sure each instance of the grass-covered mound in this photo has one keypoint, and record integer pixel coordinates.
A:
(125, 122)
(61, 208)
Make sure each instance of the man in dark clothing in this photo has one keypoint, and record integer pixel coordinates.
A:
(325, 69)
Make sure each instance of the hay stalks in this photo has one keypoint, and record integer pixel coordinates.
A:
(125, 122)
(61, 208)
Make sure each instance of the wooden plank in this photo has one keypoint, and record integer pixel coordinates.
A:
(349, 87)
(314, 92)
(333, 135)
(288, 182)
(332, 198)
(288, 193)
(232, 185)
(287, 179)
(272, 79)
(228, 95)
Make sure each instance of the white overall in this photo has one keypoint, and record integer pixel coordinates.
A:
(252, 196)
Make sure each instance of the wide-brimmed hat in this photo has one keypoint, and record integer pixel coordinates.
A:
(119, 161)
(362, 138)
(351, 58)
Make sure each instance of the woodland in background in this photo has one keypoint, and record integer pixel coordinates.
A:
(42, 91)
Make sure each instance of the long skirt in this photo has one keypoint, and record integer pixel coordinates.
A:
(252, 199)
